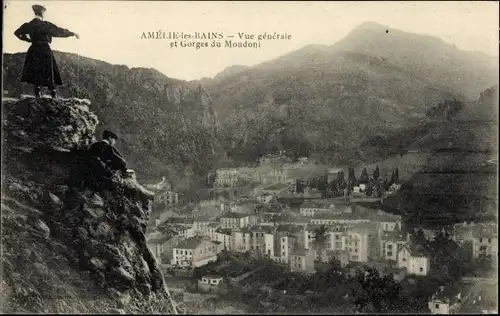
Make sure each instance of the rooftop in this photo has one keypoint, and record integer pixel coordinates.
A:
(190, 243)
(299, 252)
(179, 220)
(371, 216)
(212, 276)
(262, 229)
(289, 228)
(203, 218)
(415, 250)
(235, 215)
(275, 187)
(450, 293)
(393, 236)
(214, 225)
(225, 231)
(318, 204)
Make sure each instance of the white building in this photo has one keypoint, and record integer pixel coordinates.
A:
(302, 260)
(167, 197)
(445, 301)
(211, 230)
(265, 198)
(413, 259)
(358, 244)
(226, 177)
(224, 237)
(186, 232)
(241, 240)
(391, 242)
(287, 244)
(236, 220)
(200, 224)
(194, 252)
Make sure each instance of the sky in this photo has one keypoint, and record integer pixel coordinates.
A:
(111, 30)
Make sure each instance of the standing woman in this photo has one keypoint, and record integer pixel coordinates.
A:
(40, 67)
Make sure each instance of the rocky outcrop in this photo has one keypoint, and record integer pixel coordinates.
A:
(70, 245)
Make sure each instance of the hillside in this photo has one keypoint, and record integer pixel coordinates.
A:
(459, 180)
(166, 126)
(332, 99)
(70, 243)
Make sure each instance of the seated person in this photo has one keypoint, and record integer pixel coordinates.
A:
(107, 153)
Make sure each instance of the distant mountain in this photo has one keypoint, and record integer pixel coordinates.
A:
(230, 71)
(166, 126)
(330, 99)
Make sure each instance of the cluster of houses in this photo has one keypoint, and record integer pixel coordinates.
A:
(353, 234)
(480, 238)
(270, 171)
(163, 193)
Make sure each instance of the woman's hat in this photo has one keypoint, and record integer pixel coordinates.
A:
(38, 9)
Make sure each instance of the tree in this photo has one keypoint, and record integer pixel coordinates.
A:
(320, 239)
(376, 294)
(446, 256)
(385, 183)
(313, 184)
(340, 176)
(299, 185)
(369, 189)
(333, 188)
(351, 178)
(363, 178)
(419, 238)
(323, 186)
(376, 173)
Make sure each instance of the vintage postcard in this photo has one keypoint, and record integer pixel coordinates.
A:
(239, 157)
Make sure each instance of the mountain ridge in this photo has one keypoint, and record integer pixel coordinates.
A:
(361, 84)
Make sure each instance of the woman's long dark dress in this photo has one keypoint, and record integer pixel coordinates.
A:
(40, 66)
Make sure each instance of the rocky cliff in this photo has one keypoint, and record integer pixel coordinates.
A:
(70, 245)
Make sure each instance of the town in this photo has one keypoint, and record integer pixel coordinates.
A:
(282, 235)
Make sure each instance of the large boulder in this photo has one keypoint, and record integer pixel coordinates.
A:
(69, 245)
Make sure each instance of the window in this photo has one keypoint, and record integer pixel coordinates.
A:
(437, 306)
(356, 250)
(389, 246)
(480, 239)
(489, 240)
(404, 259)
(283, 253)
(337, 237)
(389, 254)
